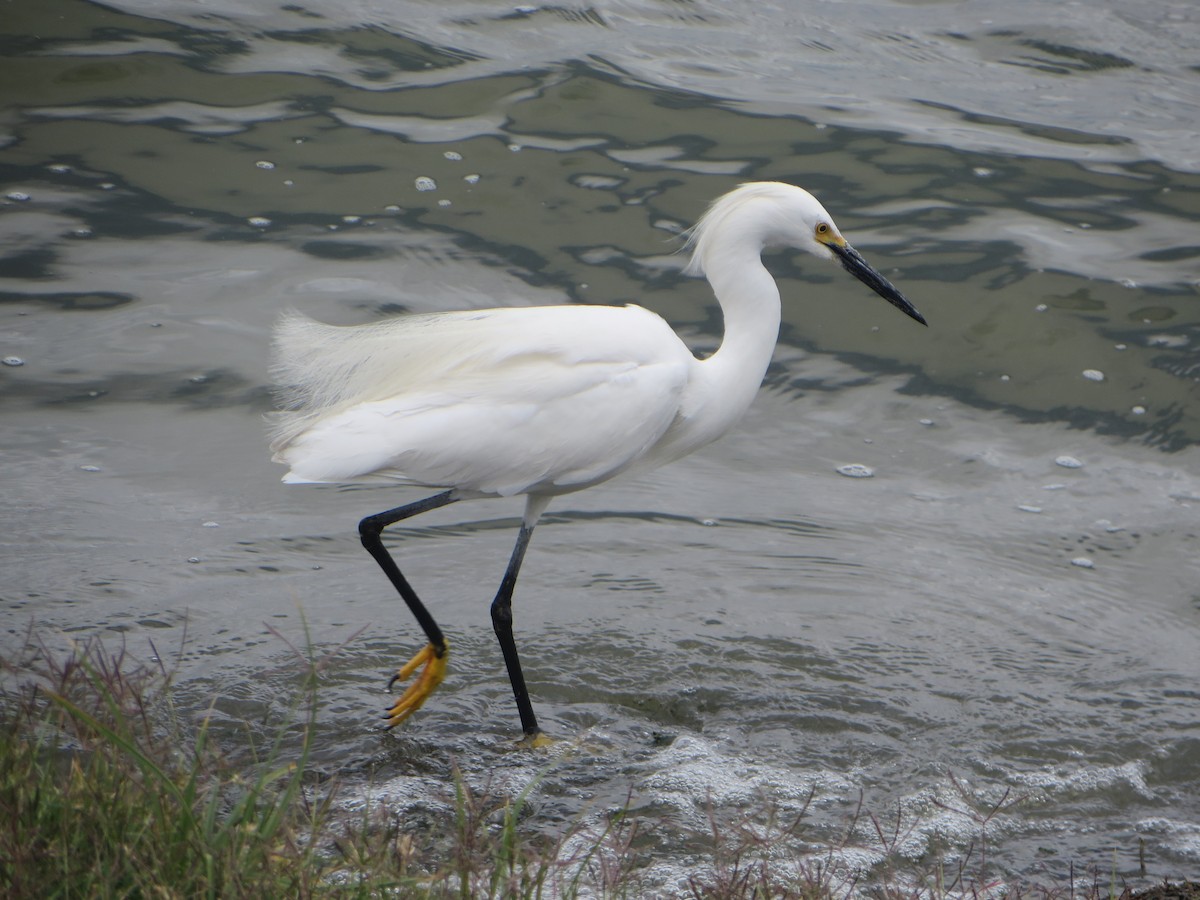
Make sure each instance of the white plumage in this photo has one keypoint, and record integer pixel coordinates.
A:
(501, 401)
(539, 400)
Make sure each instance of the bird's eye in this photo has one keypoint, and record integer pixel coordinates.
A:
(822, 229)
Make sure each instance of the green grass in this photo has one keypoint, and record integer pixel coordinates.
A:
(104, 794)
(98, 799)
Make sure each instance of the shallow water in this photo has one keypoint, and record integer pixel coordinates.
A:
(746, 625)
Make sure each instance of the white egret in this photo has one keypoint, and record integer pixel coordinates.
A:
(539, 401)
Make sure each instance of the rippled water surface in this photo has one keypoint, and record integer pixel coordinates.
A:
(1009, 610)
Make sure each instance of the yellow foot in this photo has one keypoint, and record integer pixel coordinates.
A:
(537, 741)
(433, 670)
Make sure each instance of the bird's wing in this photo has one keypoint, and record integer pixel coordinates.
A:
(496, 401)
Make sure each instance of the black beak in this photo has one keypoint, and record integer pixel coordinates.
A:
(853, 263)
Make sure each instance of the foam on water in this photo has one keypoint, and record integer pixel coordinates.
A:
(1081, 780)
(1181, 839)
(695, 772)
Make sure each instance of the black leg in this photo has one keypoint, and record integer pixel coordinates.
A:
(370, 530)
(430, 662)
(502, 619)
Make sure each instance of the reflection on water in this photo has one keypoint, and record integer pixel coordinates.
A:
(744, 623)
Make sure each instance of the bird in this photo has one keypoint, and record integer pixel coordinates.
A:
(537, 401)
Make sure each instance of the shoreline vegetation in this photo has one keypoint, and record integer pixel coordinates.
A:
(104, 794)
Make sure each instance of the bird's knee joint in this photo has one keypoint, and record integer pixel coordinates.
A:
(368, 531)
(502, 616)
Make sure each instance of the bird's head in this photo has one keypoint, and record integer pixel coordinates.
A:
(770, 214)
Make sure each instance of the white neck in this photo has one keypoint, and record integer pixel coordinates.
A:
(723, 386)
(749, 300)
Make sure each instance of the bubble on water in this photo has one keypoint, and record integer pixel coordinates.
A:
(13, 361)
(452, 155)
(59, 168)
(515, 148)
(708, 522)
(1138, 410)
(1119, 346)
(1128, 282)
(351, 220)
(1083, 562)
(287, 182)
(1053, 487)
(1068, 462)
(982, 171)
(856, 470)
(1005, 378)
(198, 379)
(443, 203)
(1024, 507)
(1041, 307)
(259, 221)
(106, 185)
(926, 422)
(193, 559)
(211, 525)
(265, 164)
(18, 196)
(1093, 374)
(471, 179)
(392, 208)
(425, 183)
(82, 232)
(1173, 341)
(90, 469)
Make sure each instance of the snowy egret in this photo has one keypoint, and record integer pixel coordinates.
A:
(538, 401)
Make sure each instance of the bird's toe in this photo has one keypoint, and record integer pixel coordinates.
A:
(432, 665)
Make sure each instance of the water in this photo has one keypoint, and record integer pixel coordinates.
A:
(746, 627)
